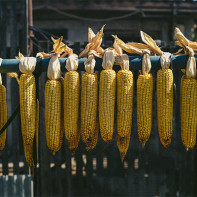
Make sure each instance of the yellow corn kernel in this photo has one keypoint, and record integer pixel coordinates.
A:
(27, 89)
(123, 145)
(71, 104)
(53, 114)
(144, 106)
(188, 111)
(107, 93)
(3, 115)
(89, 103)
(165, 105)
(124, 102)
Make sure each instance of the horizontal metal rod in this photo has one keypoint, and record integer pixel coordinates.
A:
(177, 62)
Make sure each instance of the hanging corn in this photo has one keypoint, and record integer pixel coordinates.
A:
(107, 93)
(71, 101)
(188, 93)
(124, 106)
(189, 103)
(53, 100)
(27, 90)
(3, 112)
(144, 100)
(89, 103)
(165, 100)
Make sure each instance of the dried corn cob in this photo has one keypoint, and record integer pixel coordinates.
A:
(189, 103)
(165, 100)
(71, 100)
(27, 91)
(89, 102)
(107, 93)
(144, 101)
(3, 112)
(124, 106)
(124, 99)
(53, 99)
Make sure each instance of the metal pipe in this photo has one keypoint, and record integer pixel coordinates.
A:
(177, 62)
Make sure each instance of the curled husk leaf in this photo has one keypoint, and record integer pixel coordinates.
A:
(14, 75)
(94, 42)
(165, 60)
(54, 71)
(27, 65)
(182, 40)
(117, 48)
(72, 62)
(146, 64)
(58, 46)
(126, 47)
(151, 43)
(108, 59)
(90, 64)
(43, 55)
(20, 55)
(125, 62)
(191, 65)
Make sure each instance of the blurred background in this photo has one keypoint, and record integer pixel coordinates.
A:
(30, 23)
(27, 25)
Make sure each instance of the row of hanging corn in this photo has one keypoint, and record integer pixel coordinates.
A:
(83, 111)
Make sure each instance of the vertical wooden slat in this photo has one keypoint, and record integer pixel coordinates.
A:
(24, 21)
(44, 174)
(68, 173)
(3, 27)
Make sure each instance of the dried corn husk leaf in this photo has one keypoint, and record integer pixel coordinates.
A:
(20, 55)
(138, 45)
(150, 42)
(54, 71)
(117, 48)
(72, 62)
(43, 55)
(125, 62)
(94, 42)
(58, 46)
(165, 60)
(191, 65)
(95, 54)
(91, 35)
(108, 59)
(182, 40)
(90, 64)
(14, 75)
(146, 64)
(27, 65)
(127, 48)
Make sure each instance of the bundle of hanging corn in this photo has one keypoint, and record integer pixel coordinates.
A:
(27, 90)
(144, 89)
(164, 92)
(71, 102)
(53, 99)
(3, 112)
(188, 94)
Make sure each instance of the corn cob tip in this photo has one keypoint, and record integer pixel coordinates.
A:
(143, 144)
(187, 149)
(53, 153)
(73, 151)
(122, 156)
